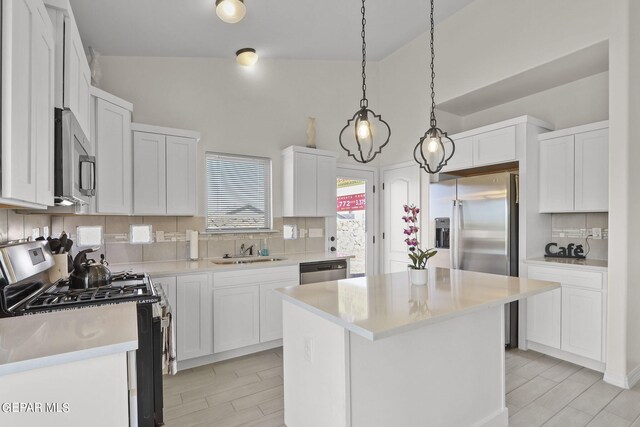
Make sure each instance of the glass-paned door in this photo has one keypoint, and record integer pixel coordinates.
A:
(354, 222)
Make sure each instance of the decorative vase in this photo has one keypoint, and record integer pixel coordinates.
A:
(418, 276)
(311, 132)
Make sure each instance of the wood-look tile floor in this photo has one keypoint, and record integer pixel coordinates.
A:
(541, 391)
(246, 391)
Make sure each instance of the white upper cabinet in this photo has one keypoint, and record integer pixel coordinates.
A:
(309, 182)
(164, 181)
(113, 148)
(463, 156)
(574, 169)
(27, 104)
(150, 173)
(181, 175)
(73, 76)
(592, 171)
(556, 174)
(497, 146)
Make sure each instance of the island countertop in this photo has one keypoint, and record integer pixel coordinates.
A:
(59, 337)
(380, 306)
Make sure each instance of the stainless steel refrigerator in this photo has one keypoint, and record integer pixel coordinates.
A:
(476, 221)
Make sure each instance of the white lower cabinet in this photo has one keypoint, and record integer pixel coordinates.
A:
(570, 319)
(543, 318)
(270, 312)
(236, 317)
(582, 322)
(247, 309)
(194, 320)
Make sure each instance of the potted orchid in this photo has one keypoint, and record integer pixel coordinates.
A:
(419, 257)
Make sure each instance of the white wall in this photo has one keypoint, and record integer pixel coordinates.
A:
(255, 111)
(491, 40)
(573, 104)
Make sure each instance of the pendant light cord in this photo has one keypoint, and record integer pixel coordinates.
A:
(433, 73)
(363, 102)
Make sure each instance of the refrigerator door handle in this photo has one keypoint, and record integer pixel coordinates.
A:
(455, 232)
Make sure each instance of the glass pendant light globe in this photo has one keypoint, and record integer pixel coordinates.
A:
(231, 11)
(247, 57)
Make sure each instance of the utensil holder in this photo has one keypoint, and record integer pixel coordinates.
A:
(60, 269)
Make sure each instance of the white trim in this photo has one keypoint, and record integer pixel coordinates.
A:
(626, 381)
(99, 93)
(140, 127)
(20, 204)
(217, 357)
(497, 419)
(569, 357)
(574, 130)
(503, 124)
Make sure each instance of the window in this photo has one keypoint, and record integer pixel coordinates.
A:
(238, 193)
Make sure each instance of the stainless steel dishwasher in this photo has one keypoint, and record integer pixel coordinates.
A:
(322, 271)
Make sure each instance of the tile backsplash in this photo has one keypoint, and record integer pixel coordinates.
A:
(575, 227)
(173, 245)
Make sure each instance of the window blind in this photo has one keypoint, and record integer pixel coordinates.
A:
(238, 192)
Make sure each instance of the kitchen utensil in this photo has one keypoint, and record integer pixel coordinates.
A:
(54, 245)
(87, 273)
(63, 242)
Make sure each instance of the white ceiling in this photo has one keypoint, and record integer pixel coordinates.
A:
(285, 29)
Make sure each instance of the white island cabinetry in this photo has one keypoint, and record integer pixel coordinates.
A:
(377, 351)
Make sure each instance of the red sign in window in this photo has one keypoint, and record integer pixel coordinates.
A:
(351, 202)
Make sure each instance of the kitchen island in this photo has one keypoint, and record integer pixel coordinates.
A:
(377, 351)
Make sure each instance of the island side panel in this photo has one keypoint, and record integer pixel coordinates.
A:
(445, 374)
(316, 380)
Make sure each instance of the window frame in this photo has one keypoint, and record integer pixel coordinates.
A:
(268, 184)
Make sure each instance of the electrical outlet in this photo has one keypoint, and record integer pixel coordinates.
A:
(308, 349)
(159, 236)
(597, 233)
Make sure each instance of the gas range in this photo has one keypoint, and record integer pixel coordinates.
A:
(126, 288)
(25, 288)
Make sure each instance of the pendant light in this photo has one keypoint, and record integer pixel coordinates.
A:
(230, 11)
(430, 152)
(365, 134)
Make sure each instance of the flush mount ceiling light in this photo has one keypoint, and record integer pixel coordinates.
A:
(231, 11)
(247, 57)
(430, 152)
(365, 134)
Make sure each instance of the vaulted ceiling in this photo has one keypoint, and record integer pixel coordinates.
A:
(284, 29)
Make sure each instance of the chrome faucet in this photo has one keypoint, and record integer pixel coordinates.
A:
(244, 251)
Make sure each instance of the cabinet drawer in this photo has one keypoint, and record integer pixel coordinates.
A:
(583, 279)
(254, 276)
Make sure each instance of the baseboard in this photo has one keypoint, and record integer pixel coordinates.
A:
(218, 357)
(626, 381)
(497, 419)
(569, 357)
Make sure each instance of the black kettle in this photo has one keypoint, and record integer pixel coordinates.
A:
(87, 273)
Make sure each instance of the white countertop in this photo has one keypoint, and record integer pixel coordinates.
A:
(579, 264)
(380, 306)
(164, 268)
(48, 339)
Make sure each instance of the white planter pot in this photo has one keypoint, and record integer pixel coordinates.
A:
(418, 277)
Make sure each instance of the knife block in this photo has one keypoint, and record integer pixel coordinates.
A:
(60, 269)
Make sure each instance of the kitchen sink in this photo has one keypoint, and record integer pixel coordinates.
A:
(245, 260)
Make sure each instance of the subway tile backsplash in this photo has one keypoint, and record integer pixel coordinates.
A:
(174, 245)
(576, 227)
